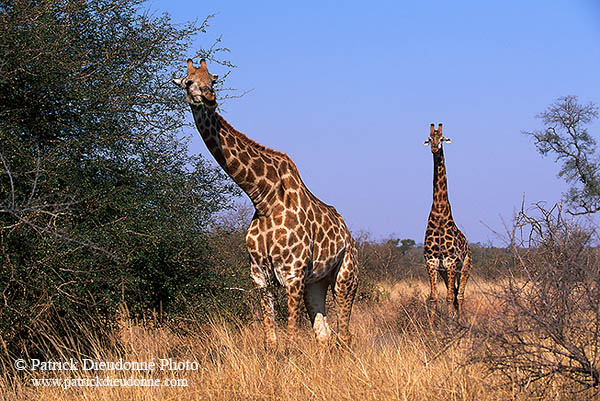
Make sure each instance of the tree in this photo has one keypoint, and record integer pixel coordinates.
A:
(100, 202)
(566, 137)
(407, 245)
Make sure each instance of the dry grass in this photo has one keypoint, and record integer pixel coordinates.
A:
(395, 355)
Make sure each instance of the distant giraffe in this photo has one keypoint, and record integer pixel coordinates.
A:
(294, 238)
(446, 249)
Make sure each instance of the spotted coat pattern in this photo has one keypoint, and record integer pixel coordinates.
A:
(446, 249)
(294, 239)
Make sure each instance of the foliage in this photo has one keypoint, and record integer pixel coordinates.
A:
(100, 202)
(566, 137)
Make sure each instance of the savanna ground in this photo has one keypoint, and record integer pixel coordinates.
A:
(395, 355)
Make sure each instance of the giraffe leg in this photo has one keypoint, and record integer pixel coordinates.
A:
(268, 311)
(314, 299)
(432, 268)
(295, 292)
(451, 265)
(269, 318)
(464, 276)
(345, 286)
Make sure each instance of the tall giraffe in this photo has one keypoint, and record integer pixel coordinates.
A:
(446, 249)
(294, 238)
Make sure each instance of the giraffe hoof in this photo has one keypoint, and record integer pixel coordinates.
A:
(345, 342)
(271, 343)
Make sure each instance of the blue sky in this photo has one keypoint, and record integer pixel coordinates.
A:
(348, 90)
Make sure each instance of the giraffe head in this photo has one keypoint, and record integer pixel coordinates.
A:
(436, 138)
(198, 85)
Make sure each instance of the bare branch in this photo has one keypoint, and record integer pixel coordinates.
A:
(12, 186)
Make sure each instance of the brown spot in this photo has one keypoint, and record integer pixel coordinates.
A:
(233, 166)
(271, 173)
(259, 167)
(290, 220)
(293, 183)
(262, 246)
(304, 201)
(292, 239)
(244, 158)
(277, 210)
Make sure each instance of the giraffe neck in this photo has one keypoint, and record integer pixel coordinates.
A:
(440, 185)
(253, 167)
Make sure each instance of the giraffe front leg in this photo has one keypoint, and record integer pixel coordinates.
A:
(451, 265)
(432, 268)
(260, 277)
(295, 293)
(268, 311)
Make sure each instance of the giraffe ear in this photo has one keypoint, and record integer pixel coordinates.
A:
(426, 142)
(447, 140)
(215, 77)
(178, 82)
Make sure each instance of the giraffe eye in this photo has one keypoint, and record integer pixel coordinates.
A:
(188, 83)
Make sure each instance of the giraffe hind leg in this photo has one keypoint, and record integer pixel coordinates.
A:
(464, 277)
(346, 283)
(451, 265)
(456, 287)
(315, 295)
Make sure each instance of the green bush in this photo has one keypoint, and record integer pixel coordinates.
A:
(100, 202)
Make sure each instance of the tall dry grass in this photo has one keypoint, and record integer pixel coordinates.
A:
(395, 355)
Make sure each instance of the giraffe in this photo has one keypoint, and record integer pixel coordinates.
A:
(294, 239)
(446, 249)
